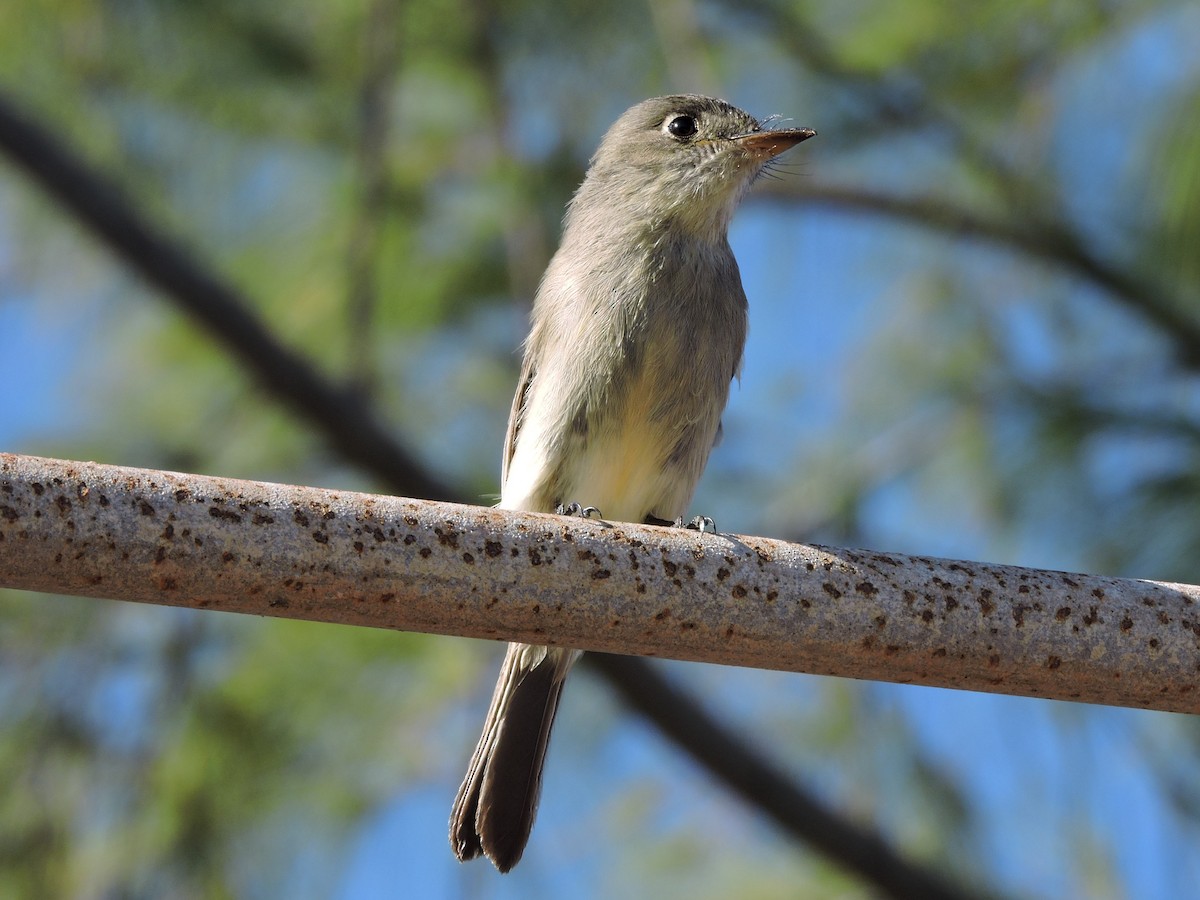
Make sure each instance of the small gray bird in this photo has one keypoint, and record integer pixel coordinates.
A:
(638, 329)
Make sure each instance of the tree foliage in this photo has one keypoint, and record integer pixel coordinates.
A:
(975, 332)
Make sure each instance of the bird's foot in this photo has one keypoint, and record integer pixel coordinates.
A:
(703, 524)
(580, 512)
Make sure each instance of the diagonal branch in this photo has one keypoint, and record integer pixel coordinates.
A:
(1053, 244)
(340, 415)
(760, 782)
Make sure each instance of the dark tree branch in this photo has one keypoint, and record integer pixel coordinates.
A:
(760, 782)
(1055, 244)
(338, 414)
(380, 61)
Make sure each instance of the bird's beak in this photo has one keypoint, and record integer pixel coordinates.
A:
(771, 143)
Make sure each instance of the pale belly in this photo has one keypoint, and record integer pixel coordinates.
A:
(639, 459)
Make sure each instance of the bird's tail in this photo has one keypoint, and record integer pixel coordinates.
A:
(495, 807)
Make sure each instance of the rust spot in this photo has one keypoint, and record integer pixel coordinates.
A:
(1053, 662)
(739, 591)
(986, 606)
(868, 642)
(951, 604)
(927, 616)
(263, 519)
(8, 514)
(880, 622)
(229, 515)
(468, 558)
(493, 548)
(359, 548)
(425, 552)
(447, 538)
(300, 517)
(535, 556)
(1023, 589)
(160, 554)
(584, 554)
(320, 537)
(670, 568)
(1064, 612)
(772, 596)
(722, 573)
(1153, 643)
(168, 532)
(1018, 614)
(994, 661)
(1126, 623)
(277, 602)
(866, 588)
(939, 652)
(1098, 593)
(641, 587)
(832, 591)
(805, 604)
(664, 613)
(226, 556)
(1093, 616)
(601, 574)
(891, 650)
(409, 539)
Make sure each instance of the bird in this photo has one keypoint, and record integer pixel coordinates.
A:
(637, 330)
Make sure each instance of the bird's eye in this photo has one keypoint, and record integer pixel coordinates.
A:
(682, 126)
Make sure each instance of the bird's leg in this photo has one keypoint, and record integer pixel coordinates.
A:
(574, 509)
(702, 524)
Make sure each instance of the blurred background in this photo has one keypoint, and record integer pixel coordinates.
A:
(975, 332)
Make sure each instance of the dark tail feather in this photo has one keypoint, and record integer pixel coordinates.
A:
(495, 807)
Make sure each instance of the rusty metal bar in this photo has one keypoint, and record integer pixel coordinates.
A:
(415, 565)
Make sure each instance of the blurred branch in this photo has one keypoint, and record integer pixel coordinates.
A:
(894, 100)
(341, 415)
(416, 565)
(340, 418)
(374, 116)
(758, 781)
(685, 48)
(1052, 243)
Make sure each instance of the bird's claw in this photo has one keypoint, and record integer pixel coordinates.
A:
(581, 512)
(702, 524)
